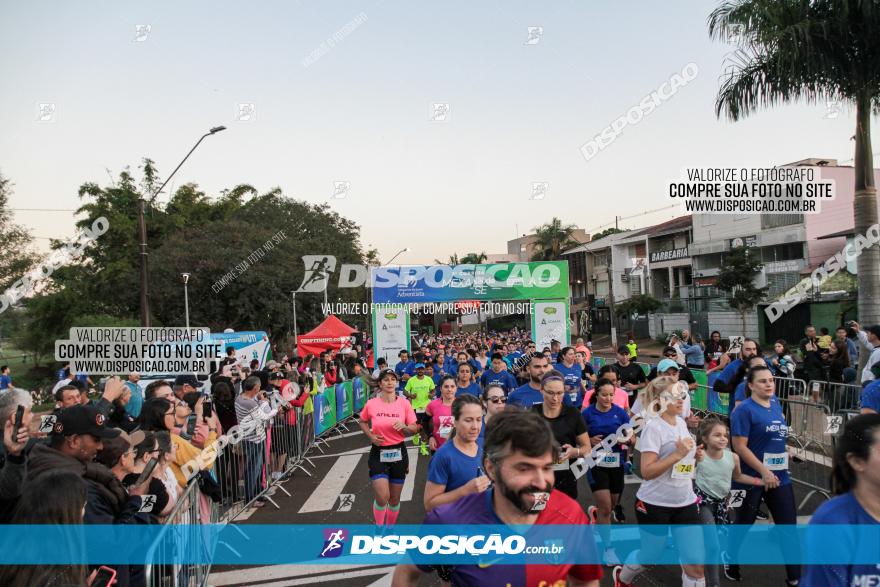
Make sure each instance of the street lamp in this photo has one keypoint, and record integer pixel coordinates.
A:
(185, 277)
(142, 230)
(293, 293)
(400, 252)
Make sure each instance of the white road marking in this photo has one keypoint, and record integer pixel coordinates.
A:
(327, 492)
(383, 582)
(409, 484)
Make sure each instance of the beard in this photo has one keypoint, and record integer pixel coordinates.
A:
(517, 498)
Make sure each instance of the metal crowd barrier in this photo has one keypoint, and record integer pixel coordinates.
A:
(245, 472)
(839, 397)
(184, 531)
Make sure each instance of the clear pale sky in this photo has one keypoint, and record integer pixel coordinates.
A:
(361, 112)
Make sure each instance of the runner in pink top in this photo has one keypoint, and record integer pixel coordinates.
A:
(439, 412)
(621, 398)
(386, 420)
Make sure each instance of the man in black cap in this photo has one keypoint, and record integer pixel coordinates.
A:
(183, 384)
(74, 442)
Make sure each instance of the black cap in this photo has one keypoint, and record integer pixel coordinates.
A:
(83, 420)
(276, 375)
(191, 380)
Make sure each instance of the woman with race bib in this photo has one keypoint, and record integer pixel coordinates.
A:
(439, 413)
(759, 434)
(602, 419)
(666, 497)
(385, 419)
(457, 467)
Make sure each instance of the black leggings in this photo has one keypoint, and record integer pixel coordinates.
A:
(780, 502)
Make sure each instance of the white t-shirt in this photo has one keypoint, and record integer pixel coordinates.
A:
(659, 437)
(685, 410)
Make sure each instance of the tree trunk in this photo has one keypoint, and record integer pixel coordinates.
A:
(865, 213)
(742, 316)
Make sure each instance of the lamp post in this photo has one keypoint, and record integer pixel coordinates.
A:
(185, 277)
(293, 293)
(142, 232)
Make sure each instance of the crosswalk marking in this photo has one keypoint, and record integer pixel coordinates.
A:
(409, 484)
(325, 495)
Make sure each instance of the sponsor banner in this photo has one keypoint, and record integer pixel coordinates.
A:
(360, 391)
(550, 322)
(495, 281)
(488, 546)
(325, 409)
(699, 400)
(390, 332)
(344, 400)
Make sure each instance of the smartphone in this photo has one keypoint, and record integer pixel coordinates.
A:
(105, 577)
(148, 470)
(19, 414)
(191, 427)
(207, 410)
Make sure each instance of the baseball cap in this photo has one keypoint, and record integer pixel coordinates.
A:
(420, 366)
(276, 375)
(667, 364)
(272, 364)
(133, 439)
(385, 372)
(83, 420)
(187, 380)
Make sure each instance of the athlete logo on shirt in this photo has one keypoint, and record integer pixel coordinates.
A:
(334, 541)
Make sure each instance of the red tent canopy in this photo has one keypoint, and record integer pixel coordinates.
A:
(330, 335)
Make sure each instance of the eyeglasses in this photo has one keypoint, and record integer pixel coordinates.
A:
(670, 355)
(498, 400)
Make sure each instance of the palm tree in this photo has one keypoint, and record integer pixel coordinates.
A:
(474, 258)
(551, 239)
(453, 260)
(811, 50)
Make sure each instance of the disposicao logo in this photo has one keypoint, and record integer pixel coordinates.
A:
(391, 316)
(549, 310)
(334, 543)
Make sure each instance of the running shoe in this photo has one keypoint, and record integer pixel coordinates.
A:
(593, 514)
(618, 514)
(731, 571)
(611, 559)
(761, 515)
(615, 575)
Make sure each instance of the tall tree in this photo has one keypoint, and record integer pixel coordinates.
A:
(18, 256)
(551, 239)
(605, 232)
(793, 50)
(738, 271)
(474, 258)
(453, 260)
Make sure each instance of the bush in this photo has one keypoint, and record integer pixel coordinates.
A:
(663, 337)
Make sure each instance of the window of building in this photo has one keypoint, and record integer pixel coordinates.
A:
(783, 252)
(709, 219)
(779, 283)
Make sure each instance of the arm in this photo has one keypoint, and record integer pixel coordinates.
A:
(435, 496)
(740, 445)
(740, 477)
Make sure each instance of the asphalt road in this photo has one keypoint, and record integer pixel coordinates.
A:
(342, 470)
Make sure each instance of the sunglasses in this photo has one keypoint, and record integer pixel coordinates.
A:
(498, 400)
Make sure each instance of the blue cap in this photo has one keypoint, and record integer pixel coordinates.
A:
(667, 364)
(419, 366)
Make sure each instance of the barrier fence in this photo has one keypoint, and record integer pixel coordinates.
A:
(244, 472)
(815, 413)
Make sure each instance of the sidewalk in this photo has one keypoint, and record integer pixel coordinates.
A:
(648, 347)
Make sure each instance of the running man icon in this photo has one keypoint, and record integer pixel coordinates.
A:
(333, 543)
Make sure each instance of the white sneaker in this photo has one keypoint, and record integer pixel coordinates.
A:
(610, 557)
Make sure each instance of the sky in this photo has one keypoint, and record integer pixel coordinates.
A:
(360, 109)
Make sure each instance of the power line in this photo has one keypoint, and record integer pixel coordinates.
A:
(646, 212)
(41, 210)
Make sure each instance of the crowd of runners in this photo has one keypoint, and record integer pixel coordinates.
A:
(511, 427)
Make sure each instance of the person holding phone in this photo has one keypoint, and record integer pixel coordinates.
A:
(456, 469)
(15, 414)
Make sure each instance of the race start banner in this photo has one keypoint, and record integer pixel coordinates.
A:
(390, 332)
(325, 409)
(344, 400)
(445, 283)
(550, 322)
